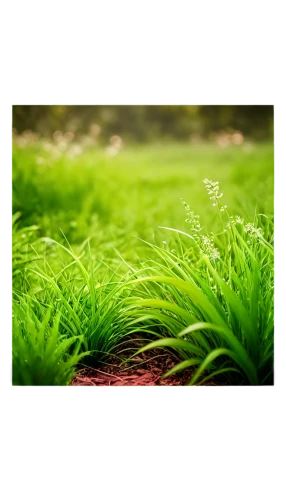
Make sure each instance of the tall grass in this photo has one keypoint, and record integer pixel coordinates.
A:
(215, 300)
(67, 318)
(22, 252)
(42, 355)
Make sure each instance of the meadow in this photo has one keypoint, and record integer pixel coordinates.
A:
(136, 249)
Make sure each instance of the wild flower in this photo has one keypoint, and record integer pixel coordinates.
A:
(208, 248)
(213, 190)
(254, 232)
(205, 243)
(234, 220)
(192, 220)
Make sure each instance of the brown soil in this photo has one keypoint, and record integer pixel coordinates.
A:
(146, 369)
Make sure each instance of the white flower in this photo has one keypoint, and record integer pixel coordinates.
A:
(205, 243)
(254, 232)
(208, 248)
(193, 220)
(213, 190)
(234, 220)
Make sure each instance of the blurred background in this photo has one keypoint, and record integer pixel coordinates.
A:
(147, 123)
(116, 173)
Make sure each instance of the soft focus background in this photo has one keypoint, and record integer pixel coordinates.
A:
(146, 123)
(116, 173)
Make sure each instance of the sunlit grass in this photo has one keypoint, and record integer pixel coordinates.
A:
(42, 354)
(84, 279)
(217, 307)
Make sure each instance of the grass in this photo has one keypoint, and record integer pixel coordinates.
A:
(42, 354)
(22, 253)
(113, 199)
(93, 267)
(218, 313)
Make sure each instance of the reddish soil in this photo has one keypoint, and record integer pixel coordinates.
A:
(144, 370)
(146, 374)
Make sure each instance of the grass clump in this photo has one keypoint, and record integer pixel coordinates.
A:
(67, 318)
(42, 355)
(22, 253)
(215, 300)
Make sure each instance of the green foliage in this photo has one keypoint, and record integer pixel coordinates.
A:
(42, 355)
(218, 308)
(66, 318)
(113, 199)
(22, 253)
(208, 297)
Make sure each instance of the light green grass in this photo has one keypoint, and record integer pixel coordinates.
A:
(114, 198)
(87, 217)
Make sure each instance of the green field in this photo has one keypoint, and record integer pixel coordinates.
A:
(87, 232)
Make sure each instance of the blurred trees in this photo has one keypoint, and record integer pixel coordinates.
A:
(145, 123)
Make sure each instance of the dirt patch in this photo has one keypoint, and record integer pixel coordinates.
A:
(142, 372)
(147, 374)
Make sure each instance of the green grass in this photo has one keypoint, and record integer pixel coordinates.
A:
(218, 311)
(22, 253)
(91, 265)
(42, 354)
(112, 199)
